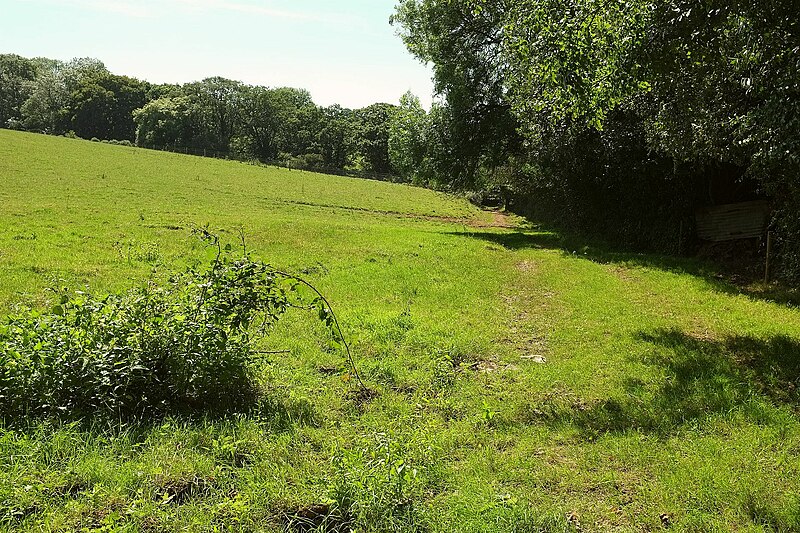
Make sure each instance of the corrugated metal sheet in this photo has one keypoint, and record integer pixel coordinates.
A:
(729, 222)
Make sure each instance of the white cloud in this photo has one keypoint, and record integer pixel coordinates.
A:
(152, 8)
(252, 9)
(129, 8)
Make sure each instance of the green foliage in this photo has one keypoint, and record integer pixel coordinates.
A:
(152, 350)
(474, 128)
(16, 76)
(215, 111)
(102, 106)
(376, 487)
(336, 137)
(593, 77)
(57, 88)
(373, 123)
(266, 118)
(306, 162)
(124, 142)
(45, 110)
(407, 144)
(627, 109)
(163, 121)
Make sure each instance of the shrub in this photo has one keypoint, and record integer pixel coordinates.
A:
(307, 162)
(183, 346)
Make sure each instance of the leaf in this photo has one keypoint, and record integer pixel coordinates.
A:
(58, 310)
(211, 254)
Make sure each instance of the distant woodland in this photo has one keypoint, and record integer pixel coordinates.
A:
(215, 116)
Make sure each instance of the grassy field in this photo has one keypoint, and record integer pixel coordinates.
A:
(524, 382)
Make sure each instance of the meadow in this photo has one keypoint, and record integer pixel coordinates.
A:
(521, 380)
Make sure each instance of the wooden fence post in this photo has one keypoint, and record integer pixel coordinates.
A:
(769, 257)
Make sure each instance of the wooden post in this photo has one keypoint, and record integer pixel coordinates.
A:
(769, 257)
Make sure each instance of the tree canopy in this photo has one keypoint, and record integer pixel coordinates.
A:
(618, 115)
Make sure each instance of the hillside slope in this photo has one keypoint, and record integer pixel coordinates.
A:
(523, 382)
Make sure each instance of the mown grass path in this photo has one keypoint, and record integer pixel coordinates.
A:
(523, 384)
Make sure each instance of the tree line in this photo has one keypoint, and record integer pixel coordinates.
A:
(215, 115)
(617, 118)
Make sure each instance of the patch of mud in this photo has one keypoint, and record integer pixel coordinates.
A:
(623, 273)
(328, 370)
(534, 358)
(489, 367)
(182, 490)
(170, 227)
(361, 396)
(318, 517)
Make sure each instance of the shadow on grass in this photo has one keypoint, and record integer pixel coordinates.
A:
(703, 378)
(718, 278)
(275, 414)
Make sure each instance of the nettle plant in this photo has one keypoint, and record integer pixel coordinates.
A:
(184, 346)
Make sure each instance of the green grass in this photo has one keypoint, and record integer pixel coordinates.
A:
(665, 399)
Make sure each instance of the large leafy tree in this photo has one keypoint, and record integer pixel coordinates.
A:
(373, 127)
(704, 76)
(16, 80)
(216, 105)
(262, 113)
(464, 41)
(711, 84)
(163, 122)
(102, 106)
(300, 133)
(47, 109)
(408, 138)
(336, 136)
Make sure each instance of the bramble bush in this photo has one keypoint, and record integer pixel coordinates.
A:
(184, 346)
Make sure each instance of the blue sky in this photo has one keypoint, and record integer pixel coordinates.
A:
(343, 51)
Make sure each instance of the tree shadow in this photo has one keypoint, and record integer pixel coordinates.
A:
(274, 413)
(718, 277)
(703, 378)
